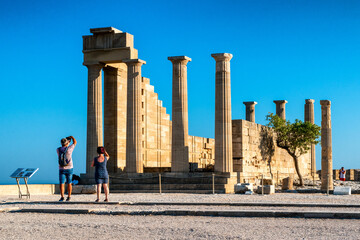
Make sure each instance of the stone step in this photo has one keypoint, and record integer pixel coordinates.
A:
(168, 180)
(166, 187)
(169, 191)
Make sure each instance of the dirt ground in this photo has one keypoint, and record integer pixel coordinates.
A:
(91, 226)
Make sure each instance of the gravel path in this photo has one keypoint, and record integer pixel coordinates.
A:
(89, 226)
(59, 226)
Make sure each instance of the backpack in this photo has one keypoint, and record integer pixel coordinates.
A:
(62, 158)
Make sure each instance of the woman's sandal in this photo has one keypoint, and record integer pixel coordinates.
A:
(97, 200)
(106, 200)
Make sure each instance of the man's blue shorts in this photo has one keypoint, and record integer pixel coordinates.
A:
(65, 174)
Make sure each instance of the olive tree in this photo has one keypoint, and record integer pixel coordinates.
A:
(296, 138)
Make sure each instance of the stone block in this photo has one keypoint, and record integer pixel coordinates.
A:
(350, 176)
(342, 191)
(267, 181)
(245, 132)
(242, 188)
(87, 189)
(268, 189)
(287, 183)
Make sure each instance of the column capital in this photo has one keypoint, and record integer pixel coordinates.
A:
(222, 56)
(250, 103)
(280, 101)
(308, 101)
(325, 102)
(182, 59)
(138, 62)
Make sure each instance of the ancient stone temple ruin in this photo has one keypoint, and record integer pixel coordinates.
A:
(142, 141)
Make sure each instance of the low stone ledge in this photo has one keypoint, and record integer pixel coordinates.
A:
(59, 210)
(205, 213)
(79, 189)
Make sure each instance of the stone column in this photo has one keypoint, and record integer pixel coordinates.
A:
(223, 127)
(115, 92)
(250, 111)
(326, 146)
(280, 108)
(134, 161)
(309, 117)
(94, 115)
(179, 145)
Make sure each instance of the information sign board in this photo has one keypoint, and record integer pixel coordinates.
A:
(24, 172)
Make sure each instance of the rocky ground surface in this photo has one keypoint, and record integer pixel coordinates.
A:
(90, 226)
(60, 226)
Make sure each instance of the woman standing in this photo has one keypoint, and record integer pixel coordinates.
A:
(101, 173)
(342, 174)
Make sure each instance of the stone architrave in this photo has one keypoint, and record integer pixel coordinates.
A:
(309, 117)
(223, 124)
(134, 159)
(179, 145)
(94, 115)
(326, 146)
(280, 108)
(250, 111)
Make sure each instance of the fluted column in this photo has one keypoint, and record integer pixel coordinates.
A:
(94, 136)
(223, 127)
(326, 146)
(250, 111)
(134, 161)
(179, 145)
(309, 117)
(280, 108)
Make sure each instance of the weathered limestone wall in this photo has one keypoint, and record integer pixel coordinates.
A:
(201, 151)
(251, 157)
(156, 130)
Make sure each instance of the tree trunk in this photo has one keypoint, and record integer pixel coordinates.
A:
(296, 163)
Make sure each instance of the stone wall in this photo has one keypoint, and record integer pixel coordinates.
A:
(201, 151)
(156, 132)
(253, 156)
(156, 128)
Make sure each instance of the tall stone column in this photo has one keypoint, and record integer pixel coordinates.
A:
(115, 93)
(309, 117)
(94, 136)
(134, 161)
(280, 108)
(250, 111)
(223, 127)
(179, 145)
(326, 146)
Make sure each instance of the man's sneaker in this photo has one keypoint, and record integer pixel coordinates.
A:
(68, 199)
(61, 199)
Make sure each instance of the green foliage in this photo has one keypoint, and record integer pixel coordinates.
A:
(295, 137)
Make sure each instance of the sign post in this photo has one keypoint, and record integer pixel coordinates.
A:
(24, 173)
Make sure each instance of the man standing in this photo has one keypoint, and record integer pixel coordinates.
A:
(66, 165)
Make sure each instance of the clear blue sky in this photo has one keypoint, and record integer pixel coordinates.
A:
(289, 50)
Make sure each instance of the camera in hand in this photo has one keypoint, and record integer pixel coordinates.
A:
(68, 138)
